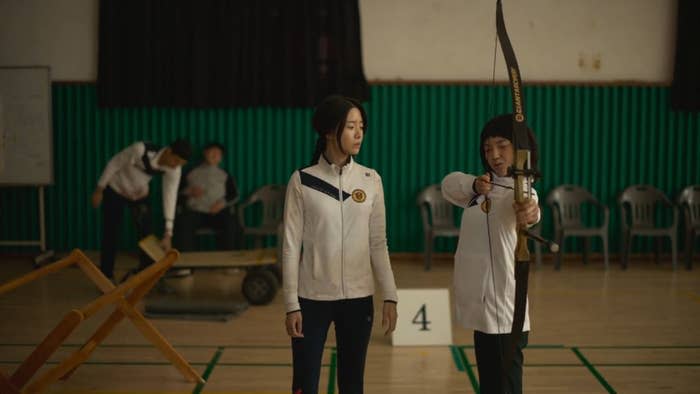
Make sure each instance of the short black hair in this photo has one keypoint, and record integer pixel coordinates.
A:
(214, 145)
(502, 126)
(182, 148)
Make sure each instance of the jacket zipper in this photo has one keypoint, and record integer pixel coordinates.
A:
(342, 235)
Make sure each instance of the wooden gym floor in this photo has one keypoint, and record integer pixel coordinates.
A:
(593, 331)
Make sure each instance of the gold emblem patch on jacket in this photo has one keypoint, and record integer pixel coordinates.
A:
(358, 195)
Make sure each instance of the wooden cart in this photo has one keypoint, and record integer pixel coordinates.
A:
(262, 277)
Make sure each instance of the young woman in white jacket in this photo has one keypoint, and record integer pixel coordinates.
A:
(334, 246)
(484, 282)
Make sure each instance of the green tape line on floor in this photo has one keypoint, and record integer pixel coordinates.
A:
(331, 372)
(470, 371)
(200, 386)
(594, 371)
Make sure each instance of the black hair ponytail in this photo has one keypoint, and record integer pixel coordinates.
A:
(320, 148)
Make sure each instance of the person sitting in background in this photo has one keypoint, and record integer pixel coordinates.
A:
(124, 183)
(209, 190)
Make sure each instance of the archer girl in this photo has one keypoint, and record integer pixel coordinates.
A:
(484, 281)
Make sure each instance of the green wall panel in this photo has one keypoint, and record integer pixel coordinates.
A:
(603, 138)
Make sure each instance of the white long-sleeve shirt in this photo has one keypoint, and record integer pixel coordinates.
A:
(336, 216)
(127, 175)
(484, 289)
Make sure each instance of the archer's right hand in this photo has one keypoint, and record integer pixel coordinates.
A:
(293, 324)
(483, 185)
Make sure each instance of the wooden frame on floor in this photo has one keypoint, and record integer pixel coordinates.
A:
(123, 298)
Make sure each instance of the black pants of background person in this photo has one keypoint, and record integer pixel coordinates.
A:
(353, 325)
(224, 224)
(489, 349)
(113, 206)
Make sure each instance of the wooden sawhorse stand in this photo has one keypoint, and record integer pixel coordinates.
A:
(124, 306)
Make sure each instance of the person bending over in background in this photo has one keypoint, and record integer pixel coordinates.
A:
(124, 183)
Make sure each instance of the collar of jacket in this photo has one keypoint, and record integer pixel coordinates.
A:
(327, 164)
(502, 180)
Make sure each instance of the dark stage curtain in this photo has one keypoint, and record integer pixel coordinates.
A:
(228, 53)
(685, 89)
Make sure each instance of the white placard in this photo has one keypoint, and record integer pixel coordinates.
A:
(424, 318)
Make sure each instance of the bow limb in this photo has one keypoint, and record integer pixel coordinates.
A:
(521, 174)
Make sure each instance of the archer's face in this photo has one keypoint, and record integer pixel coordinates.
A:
(499, 154)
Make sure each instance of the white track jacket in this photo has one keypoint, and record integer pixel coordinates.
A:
(484, 289)
(335, 235)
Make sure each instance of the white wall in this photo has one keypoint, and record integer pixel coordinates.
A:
(554, 40)
(59, 33)
(431, 40)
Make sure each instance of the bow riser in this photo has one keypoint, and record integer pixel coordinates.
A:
(522, 253)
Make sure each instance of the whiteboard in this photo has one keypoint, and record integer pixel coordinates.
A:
(26, 137)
